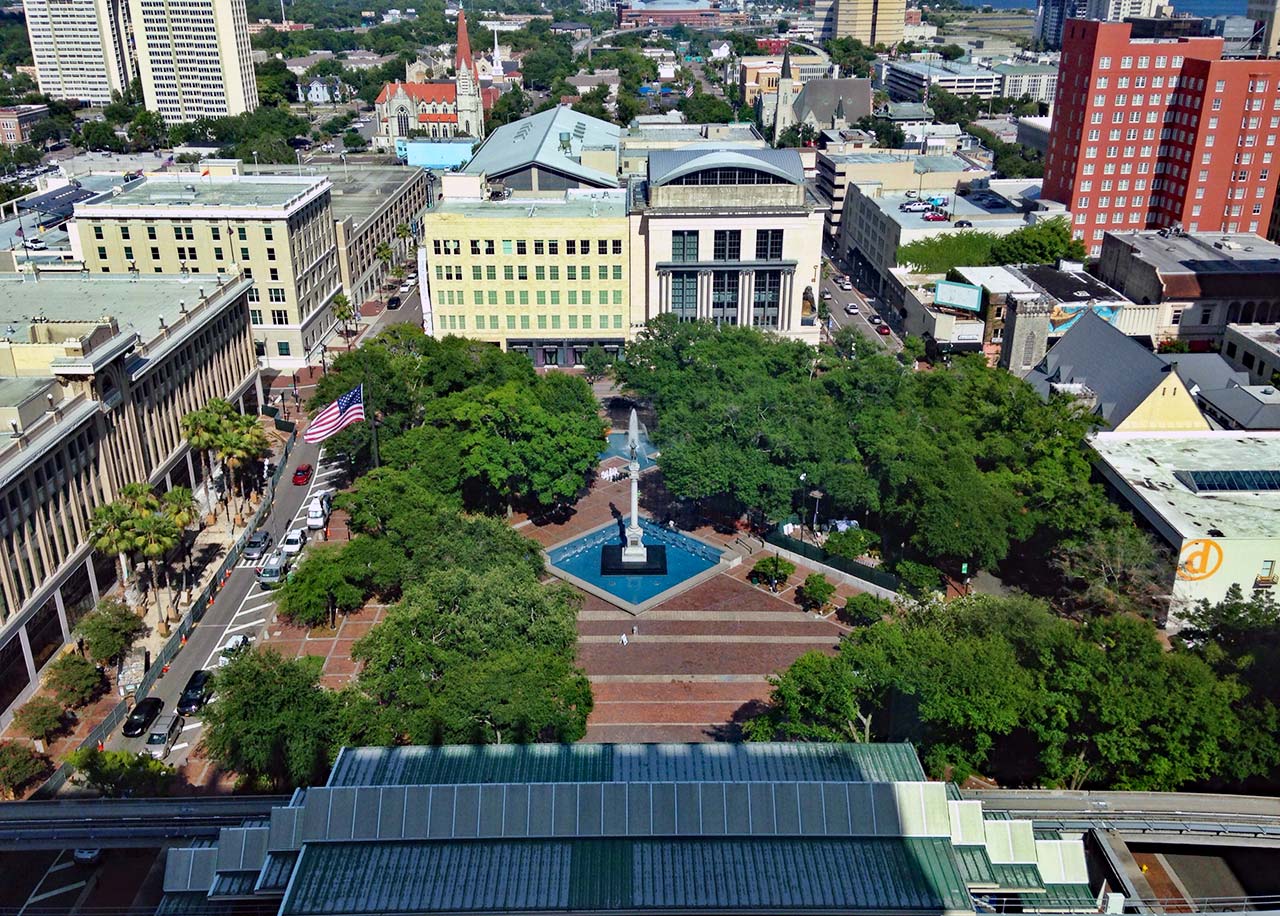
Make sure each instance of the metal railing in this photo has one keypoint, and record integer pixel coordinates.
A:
(819, 555)
(194, 614)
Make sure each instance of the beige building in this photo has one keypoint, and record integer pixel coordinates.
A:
(278, 230)
(80, 48)
(760, 75)
(872, 22)
(91, 396)
(194, 58)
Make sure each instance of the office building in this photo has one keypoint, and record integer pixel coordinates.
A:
(16, 122)
(760, 75)
(1202, 282)
(1158, 134)
(665, 14)
(1211, 496)
(870, 21)
(1052, 16)
(912, 80)
(548, 153)
(194, 58)
(1266, 12)
(1034, 81)
(632, 828)
(277, 230)
(1255, 349)
(642, 139)
(92, 392)
(81, 48)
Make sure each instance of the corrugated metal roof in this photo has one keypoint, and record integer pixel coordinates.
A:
(191, 904)
(276, 871)
(691, 875)
(1017, 877)
(975, 866)
(798, 762)
(1062, 898)
(234, 884)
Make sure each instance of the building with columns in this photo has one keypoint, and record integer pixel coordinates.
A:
(732, 236)
(96, 373)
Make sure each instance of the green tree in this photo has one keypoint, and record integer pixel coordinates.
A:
(596, 362)
(544, 66)
(888, 134)
(343, 311)
(147, 130)
(942, 253)
(864, 609)
(1042, 243)
(816, 592)
(277, 85)
(772, 571)
(951, 52)
(98, 135)
(510, 106)
(154, 536)
(815, 699)
(1119, 569)
(797, 135)
(272, 722)
(110, 630)
(703, 108)
(121, 774)
(111, 532)
(40, 717)
(319, 588)
(20, 766)
(74, 680)
(851, 543)
(202, 429)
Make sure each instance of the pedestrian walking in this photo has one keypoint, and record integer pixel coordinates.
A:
(635, 629)
(624, 639)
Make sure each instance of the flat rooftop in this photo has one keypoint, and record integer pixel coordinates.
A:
(1264, 335)
(135, 304)
(604, 207)
(989, 211)
(187, 192)
(943, 69)
(1148, 462)
(356, 191)
(999, 280)
(1203, 252)
(922, 165)
(1068, 285)
(17, 391)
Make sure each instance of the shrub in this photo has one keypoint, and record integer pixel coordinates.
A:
(110, 629)
(120, 774)
(918, 579)
(40, 717)
(772, 571)
(851, 543)
(19, 766)
(74, 680)
(864, 609)
(816, 592)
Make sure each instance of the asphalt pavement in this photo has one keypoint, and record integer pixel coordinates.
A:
(838, 304)
(241, 606)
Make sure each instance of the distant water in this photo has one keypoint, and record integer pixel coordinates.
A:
(1194, 7)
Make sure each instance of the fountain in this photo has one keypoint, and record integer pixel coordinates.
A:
(635, 557)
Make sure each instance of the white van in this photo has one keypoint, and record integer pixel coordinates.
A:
(164, 732)
(318, 511)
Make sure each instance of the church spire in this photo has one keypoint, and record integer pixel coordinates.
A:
(786, 63)
(462, 59)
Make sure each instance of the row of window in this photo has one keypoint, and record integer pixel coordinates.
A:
(539, 247)
(187, 233)
(1126, 63)
(726, 245)
(521, 272)
(527, 322)
(540, 297)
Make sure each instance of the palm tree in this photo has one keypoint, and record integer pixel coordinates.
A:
(180, 506)
(111, 531)
(139, 498)
(403, 233)
(242, 441)
(383, 253)
(155, 535)
(201, 428)
(343, 311)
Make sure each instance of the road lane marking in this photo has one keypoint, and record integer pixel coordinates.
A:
(179, 747)
(257, 608)
(245, 626)
(56, 892)
(60, 866)
(193, 724)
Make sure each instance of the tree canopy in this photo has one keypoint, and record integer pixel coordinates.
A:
(1042, 243)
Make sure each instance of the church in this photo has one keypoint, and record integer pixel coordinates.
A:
(822, 104)
(438, 109)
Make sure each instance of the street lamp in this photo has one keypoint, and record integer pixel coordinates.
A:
(803, 478)
(255, 160)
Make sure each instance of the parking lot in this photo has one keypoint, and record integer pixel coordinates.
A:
(52, 883)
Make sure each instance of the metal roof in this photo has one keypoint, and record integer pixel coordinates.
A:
(551, 139)
(1017, 877)
(975, 866)
(480, 764)
(1062, 898)
(668, 164)
(847, 875)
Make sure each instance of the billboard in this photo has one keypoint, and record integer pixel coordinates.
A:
(958, 296)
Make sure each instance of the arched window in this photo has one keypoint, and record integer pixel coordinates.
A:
(1233, 313)
(1246, 315)
(402, 122)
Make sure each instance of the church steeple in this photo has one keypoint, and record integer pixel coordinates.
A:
(462, 59)
(786, 63)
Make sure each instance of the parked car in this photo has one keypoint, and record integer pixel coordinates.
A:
(935, 217)
(406, 288)
(826, 295)
(394, 303)
(273, 570)
(318, 511)
(883, 330)
(964, 224)
(235, 645)
(196, 693)
(35, 245)
(87, 856)
(876, 319)
(302, 476)
(163, 734)
(258, 545)
(915, 206)
(293, 542)
(851, 309)
(143, 715)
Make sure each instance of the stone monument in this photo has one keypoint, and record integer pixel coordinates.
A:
(634, 557)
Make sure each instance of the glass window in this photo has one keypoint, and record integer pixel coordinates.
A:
(769, 245)
(728, 245)
(684, 245)
(282, 347)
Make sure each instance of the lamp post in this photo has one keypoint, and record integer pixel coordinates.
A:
(255, 160)
(803, 478)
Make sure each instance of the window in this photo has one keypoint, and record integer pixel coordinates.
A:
(508, 272)
(102, 253)
(684, 245)
(571, 272)
(151, 233)
(128, 252)
(255, 316)
(506, 246)
(539, 272)
(271, 254)
(617, 271)
(274, 272)
(217, 254)
(97, 233)
(490, 272)
(522, 247)
(266, 233)
(275, 294)
(769, 245)
(602, 246)
(279, 316)
(728, 245)
(215, 233)
(475, 246)
(571, 246)
(282, 347)
(617, 246)
(553, 246)
(244, 254)
(242, 234)
(539, 247)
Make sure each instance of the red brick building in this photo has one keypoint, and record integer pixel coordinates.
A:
(1151, 133)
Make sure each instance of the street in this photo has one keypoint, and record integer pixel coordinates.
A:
(840, 318)
(241, 606)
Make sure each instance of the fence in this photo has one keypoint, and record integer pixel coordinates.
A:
(819, 555)
(188, 623)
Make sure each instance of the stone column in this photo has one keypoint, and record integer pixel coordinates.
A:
(704, 294)
(786, 301)
(664, 292)
(746, 296)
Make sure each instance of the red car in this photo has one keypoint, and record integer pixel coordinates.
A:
(302, 476)
(935, 217)
(883, 330)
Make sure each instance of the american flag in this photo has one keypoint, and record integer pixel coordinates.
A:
(337, 416)
(688, 92)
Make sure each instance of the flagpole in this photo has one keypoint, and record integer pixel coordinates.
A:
(373, 419)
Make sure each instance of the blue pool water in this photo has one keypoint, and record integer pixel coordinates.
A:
(618, 449)
(686, 558)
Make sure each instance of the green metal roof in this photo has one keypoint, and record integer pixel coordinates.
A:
(1024, 878)
(975, 866)
(555, 763)
(233, 884)
(1059, 898)
(276, 871)
(193, 903)
(706, 874)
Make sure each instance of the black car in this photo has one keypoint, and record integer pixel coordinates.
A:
(258, 545)
(195, 694)
(143, 715)
(393, 303)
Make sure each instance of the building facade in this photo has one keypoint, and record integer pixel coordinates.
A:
(1034, 81)
(91, 398)
(665, 14)
(194, 58)
(912, 80)
(1158, 134)
(81, 48)
(1255, 349)
(278, 231)
(16, 122)
(548, 284)
(870, 21)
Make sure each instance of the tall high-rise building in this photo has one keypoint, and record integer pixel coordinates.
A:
(194, 58)
(1268, 13)
(1052, 15)
(1151, 134)
(81, 48)
(871, 21)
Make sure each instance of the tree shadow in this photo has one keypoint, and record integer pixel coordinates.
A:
(732, 730)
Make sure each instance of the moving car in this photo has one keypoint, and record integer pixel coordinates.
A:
(235, 645)
(964, 224)
(851, 309)
(302, 476)
(935, 217)
(293, 542)
(143, 714)
(876, 319)
(318, 511)
(257, 546)
(826, 295)
(406, 288)
(273, 571)
(87, 856)
(394, 303)
(883, 330)
(162, 736)
(196, 693)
